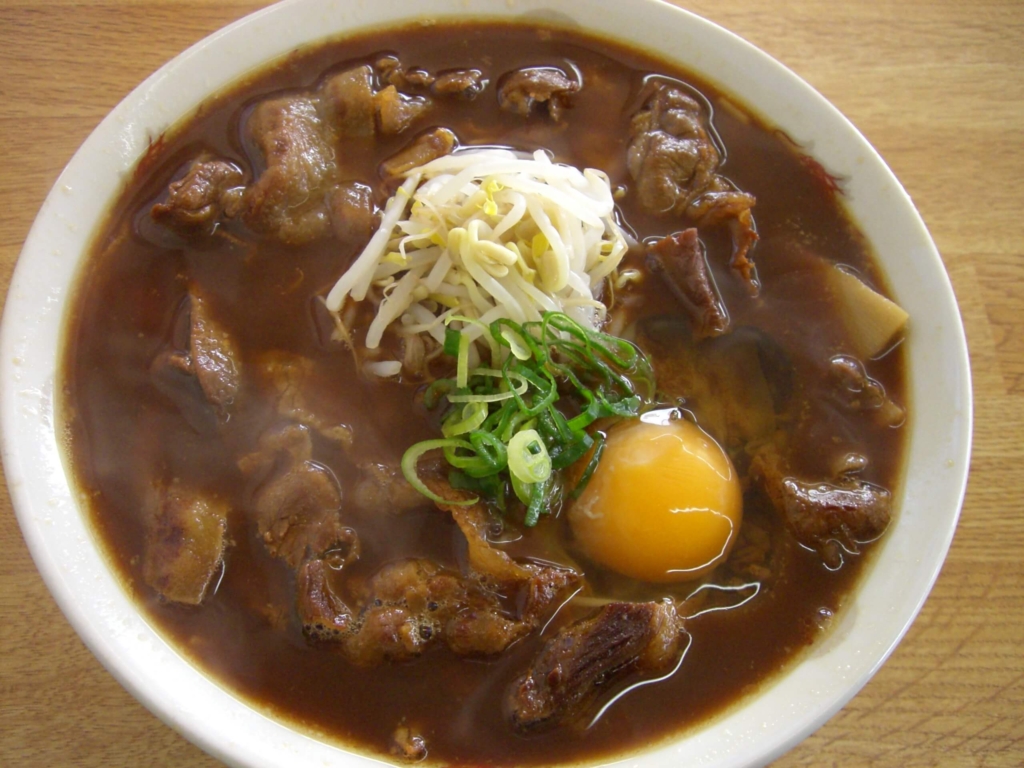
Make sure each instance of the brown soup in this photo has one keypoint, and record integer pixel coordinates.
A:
(134, 431)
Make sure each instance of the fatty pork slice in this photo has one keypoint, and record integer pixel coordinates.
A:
(424, 148)
(526, 90)
(347, 103)
(405, 608)
(288, 200)
(464, 84)
(408, 606)
(539, 585)
(587, 658)
(352, 109)
(210, 190)
(298, 513)
(300, 192)
(185, 544)
(383, 488)
(674, 162)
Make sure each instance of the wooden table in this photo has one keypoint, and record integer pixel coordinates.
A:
(936, 85)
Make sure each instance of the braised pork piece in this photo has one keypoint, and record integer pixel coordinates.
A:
(242, 445)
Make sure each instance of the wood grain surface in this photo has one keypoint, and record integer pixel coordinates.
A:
(936, 85)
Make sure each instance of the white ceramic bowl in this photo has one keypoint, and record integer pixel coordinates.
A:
(766, 726)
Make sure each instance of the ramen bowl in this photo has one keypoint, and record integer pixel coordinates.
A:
(762, 726)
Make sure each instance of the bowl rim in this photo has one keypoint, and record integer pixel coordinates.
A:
(63, 546)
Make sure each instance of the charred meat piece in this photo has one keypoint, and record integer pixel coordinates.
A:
(424, 148)
(298, 513)
(524, 90)
(587, 658)
(440, 605)
(185, 544)
(674, 162)
(544, 588)
(288, 199)
(347, 103)
(210, 190)
(396, 621)
(679, 261)
(828, 518)
(462, 83)
(480, 628)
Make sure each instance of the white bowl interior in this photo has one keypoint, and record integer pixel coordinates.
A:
(776, 719)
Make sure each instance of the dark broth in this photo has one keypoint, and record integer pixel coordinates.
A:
(125, 436)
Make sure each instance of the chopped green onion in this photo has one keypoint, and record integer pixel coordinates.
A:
(491, 486)
(519, 388)
(489, 455)
(462, 369)
(540, 498)
(437, 390)
(567, 454)
(451, 342)
(412, 456)
(528, 459)
(479, 324)
(523, 420)
(516, 344)
(523, 491)
(588, 472)
(473, 414)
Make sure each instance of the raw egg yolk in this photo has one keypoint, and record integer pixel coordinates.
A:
(664, 503)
